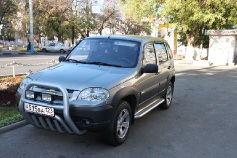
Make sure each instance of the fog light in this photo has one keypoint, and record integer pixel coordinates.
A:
(46, 97)
(30, 95)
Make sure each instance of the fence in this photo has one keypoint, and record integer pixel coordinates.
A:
(192, 53)
(14, 64)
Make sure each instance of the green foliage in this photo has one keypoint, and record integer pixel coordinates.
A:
(9, 115)
(140, 14)
(7, 9)
(193, 17)
(137, 9)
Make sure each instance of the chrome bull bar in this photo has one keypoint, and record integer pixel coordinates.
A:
(67, 122)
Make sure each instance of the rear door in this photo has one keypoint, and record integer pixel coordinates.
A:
(164, 65)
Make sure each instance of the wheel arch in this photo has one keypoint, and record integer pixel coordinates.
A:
(129, 95)
(172, 79)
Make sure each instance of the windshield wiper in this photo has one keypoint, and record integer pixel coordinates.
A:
(102, 63)
(75, 61)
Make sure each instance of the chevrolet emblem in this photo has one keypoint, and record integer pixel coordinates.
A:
(51, 91)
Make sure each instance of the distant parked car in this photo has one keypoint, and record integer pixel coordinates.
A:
(55, 47)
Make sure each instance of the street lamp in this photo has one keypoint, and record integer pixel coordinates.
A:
(31, 28)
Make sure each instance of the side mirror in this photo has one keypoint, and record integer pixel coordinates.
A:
(61, 58)
(150, 68)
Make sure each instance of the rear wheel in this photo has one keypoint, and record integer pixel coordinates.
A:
(168, 97)
(118, 130)
(44, 50)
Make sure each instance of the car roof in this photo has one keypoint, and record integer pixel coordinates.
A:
(137, 38)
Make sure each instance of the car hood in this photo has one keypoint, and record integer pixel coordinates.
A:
(80, 76)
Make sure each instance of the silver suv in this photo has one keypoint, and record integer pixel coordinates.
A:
(102, 85)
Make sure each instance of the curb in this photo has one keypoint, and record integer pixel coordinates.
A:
(192, 62)
(17, 53)
(12, 126)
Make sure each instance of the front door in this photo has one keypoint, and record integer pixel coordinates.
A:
(148, 83)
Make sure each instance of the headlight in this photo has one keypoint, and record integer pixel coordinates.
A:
(46, 97)
(25, 82)
(30, 95)
(94, 94)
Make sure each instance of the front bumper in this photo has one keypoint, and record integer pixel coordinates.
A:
(70, 118)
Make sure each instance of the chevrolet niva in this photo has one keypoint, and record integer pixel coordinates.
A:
(102, 85)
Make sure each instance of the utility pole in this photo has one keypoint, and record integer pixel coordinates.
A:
(31, 28)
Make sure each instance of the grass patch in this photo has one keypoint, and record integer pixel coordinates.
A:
(9, 115)
(24, 49)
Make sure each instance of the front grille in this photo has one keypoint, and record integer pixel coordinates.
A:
(56, 95)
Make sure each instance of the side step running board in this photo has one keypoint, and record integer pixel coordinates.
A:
(148, 108)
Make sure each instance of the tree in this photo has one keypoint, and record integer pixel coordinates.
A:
(7, 9)
(142, 13)
(193, 17)
(109, 12)
(50, 17)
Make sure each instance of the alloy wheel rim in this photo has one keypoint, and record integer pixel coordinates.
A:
(123, 123)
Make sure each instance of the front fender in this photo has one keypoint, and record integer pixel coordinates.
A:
(124, 93)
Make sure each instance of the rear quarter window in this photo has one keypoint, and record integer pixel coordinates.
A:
(161, 52)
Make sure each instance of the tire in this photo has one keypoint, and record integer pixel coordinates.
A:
(61, 51)
(168, 97)
(118, 130)
(44, 50)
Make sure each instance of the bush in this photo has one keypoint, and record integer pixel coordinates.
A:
(8, 89)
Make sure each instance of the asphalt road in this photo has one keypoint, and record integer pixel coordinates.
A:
(39, 61)
(201, 123)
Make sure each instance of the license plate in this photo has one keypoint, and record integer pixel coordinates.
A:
(48, 111)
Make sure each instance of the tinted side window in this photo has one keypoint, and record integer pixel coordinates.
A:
(149, 54)
(161, 52)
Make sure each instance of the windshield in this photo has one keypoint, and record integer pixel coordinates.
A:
(109, 52)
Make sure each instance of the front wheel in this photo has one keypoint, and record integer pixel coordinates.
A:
(118, 130)
(61, 51)
(168, 96)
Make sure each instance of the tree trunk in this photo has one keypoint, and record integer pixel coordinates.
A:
(100, 31)
(60, 38)
(190, 38)
(87, 33)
